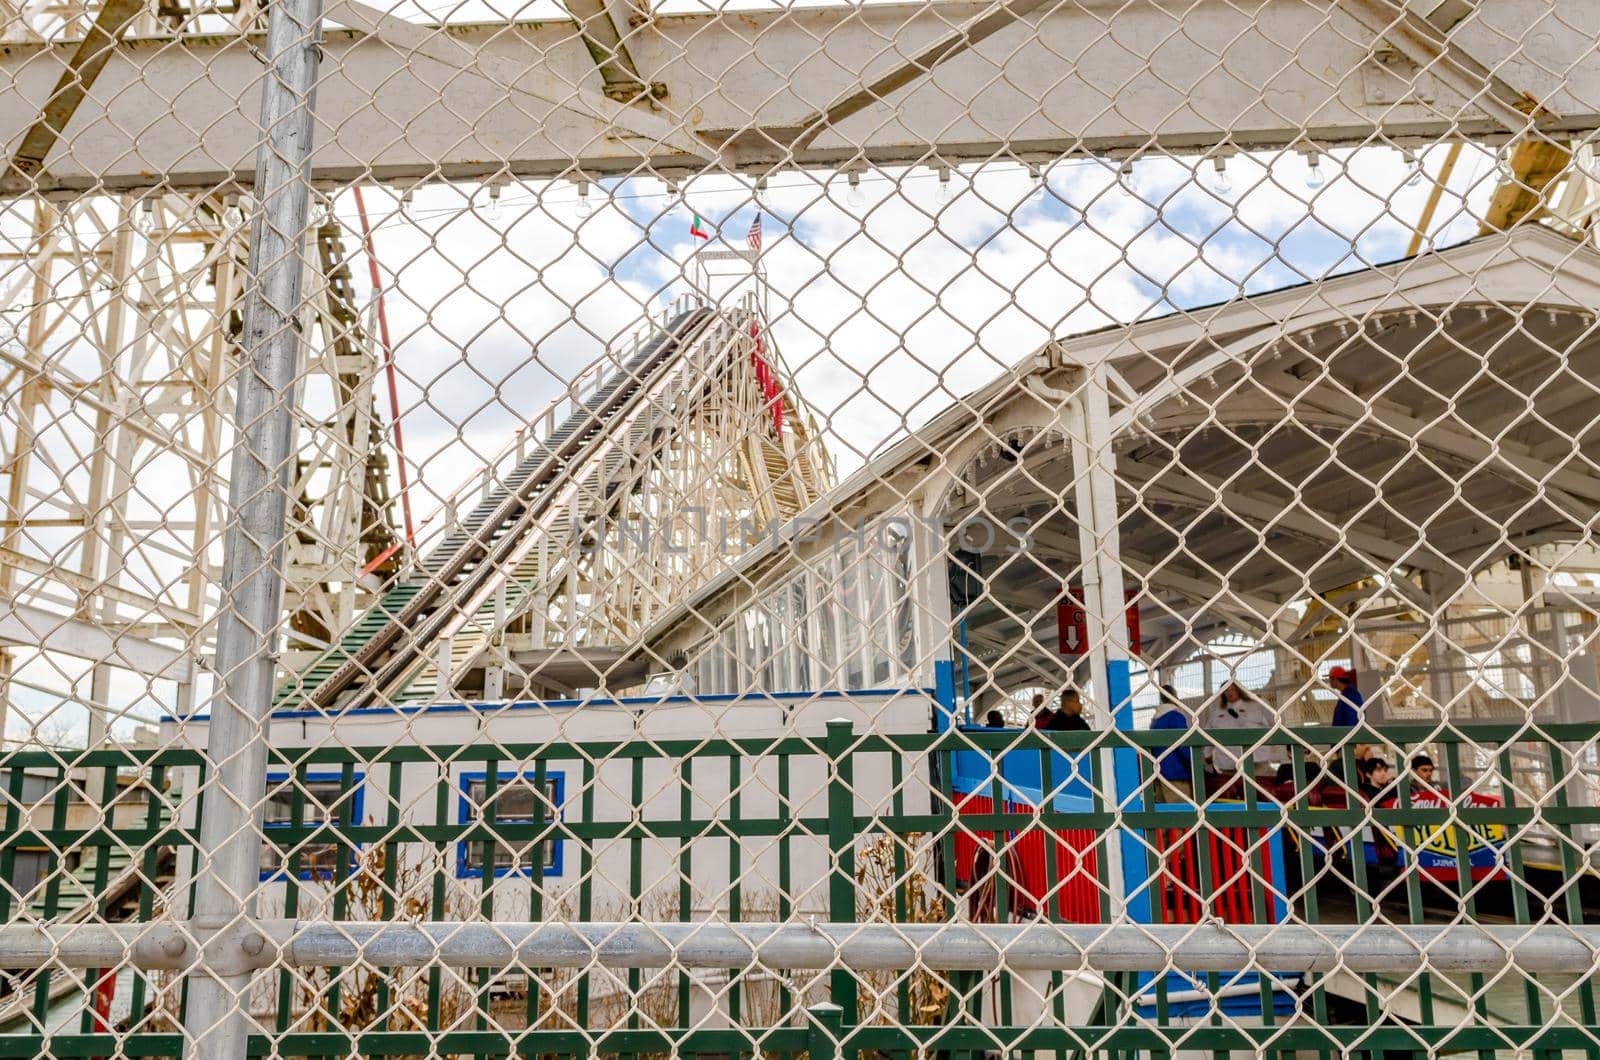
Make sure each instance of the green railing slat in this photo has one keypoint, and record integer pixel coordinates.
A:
(52, 890)
(841, 852)
(848, 822)
(735, 876)
(586, 885)
(536, 876)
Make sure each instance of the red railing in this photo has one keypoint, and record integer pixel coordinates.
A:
(1178, 893)
(1078, 888)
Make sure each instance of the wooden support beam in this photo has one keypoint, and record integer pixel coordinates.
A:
(23, 624)
(1534, 164)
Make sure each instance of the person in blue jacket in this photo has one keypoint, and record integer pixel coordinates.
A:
(1347, 714)
(1173, 763)
(1348, 710)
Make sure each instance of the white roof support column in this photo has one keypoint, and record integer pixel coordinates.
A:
(1094, 465)
(930, 594)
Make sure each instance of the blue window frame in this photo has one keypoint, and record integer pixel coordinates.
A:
(514, 803)
(326, 799)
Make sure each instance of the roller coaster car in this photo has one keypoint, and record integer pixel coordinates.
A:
(1432, 848)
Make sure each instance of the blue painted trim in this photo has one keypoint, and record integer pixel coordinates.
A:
(554, 704)
(1283, 1002)
(944, 694)
(966, 678)
(359, 789)
(1021, 777)
(1125, 774)
(557, 777)
(1275, 865)
(1238, 1004)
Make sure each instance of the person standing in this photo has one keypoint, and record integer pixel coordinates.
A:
(1349, 712)
(1234, 709)
(1042, 714)
(1350, 709)
(1175, 775)
(1069, 717)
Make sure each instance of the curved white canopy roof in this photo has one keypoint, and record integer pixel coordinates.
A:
(1422, 418)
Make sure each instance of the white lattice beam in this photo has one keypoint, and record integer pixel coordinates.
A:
(22, 624)
(1278, 73)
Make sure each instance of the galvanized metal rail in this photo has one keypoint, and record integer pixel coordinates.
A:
(788, 946)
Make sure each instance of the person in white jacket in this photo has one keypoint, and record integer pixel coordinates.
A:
(1234, 709)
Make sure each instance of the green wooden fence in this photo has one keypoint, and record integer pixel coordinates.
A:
(393, 867)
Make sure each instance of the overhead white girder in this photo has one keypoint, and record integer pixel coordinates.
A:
(21, 624)
(752, 84)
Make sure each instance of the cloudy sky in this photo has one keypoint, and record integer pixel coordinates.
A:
(886, 302)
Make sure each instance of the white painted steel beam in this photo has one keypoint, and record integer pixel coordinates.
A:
(1244, 609)
(1204, 492)
(1135, 77)
(35, 627)
(1530, 949)
(528, 94)
(1567, 481)
(1425, 45)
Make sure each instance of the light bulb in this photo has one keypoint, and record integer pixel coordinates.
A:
(585, 207)
(1036, 192)
(945, 192)
(494, 202)
(855, 197)
(232, 216)
(405, 204)
(1314, 177)
(1413, 170)
(1125, 177)
(1222, 184)
(1502, 163)
(146, 221)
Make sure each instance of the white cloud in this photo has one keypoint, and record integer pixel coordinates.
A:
(884, 312)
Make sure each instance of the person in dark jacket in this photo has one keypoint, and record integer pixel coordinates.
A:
(1422, 770)
(1069, 717)
(1377, 779)
(1378, 786)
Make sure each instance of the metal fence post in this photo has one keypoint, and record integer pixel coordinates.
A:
(842, 852)
(825, 1031)
(217, 1019)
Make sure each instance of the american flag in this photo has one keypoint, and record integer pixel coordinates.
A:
(754, 238)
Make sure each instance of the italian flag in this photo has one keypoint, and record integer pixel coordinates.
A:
(697, 228)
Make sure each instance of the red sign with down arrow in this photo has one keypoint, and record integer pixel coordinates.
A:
(1072, 623)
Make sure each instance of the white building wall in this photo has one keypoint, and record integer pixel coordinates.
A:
(675, 718)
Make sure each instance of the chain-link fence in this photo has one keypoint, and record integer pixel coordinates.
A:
(953, 528)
